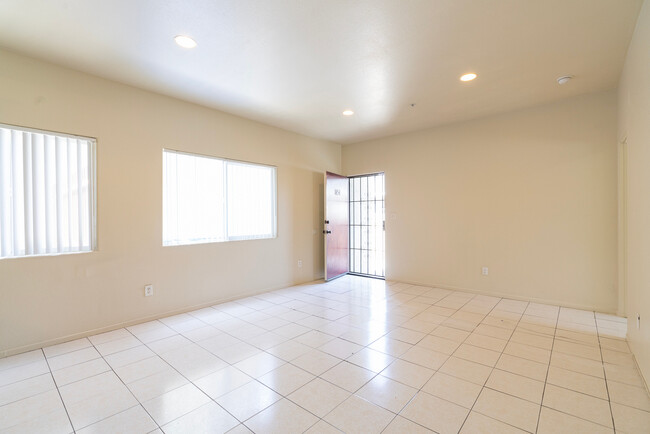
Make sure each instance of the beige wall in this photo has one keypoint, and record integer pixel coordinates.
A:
(48, 298)
(530, 194)
(634, 124)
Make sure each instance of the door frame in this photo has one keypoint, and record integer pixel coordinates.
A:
(622, 227)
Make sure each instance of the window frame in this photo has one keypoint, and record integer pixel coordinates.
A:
(228, 239)
(92, 169)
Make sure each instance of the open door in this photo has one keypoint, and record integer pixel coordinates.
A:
(337, 230)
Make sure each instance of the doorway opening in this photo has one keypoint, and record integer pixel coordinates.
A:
(367, 225)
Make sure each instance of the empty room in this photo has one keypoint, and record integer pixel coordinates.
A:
(325, 216)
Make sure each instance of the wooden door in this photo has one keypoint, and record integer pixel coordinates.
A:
(337, 229)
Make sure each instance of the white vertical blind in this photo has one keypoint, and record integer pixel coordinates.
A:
(251, 201)
(207, 199)
(46, 193)
(193, 199)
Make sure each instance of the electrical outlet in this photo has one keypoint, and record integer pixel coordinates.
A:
(299, 263)
(484, 271)
(638, 321)
(148, 290)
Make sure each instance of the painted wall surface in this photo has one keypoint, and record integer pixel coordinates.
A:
(44, 299)
(530, 194)
(634, 124)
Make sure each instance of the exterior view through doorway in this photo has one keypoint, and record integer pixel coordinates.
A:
(354, 227)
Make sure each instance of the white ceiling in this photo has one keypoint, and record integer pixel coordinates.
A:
(297, 64)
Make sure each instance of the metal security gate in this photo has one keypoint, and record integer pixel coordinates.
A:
(367, 216)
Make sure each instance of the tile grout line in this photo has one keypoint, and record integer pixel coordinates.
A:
(494, 367)
(242, 422)
(609, 398)
(125, 385)
(398, 357)
(56, 386)
(448, 357)
(316, 376)
(578, 392)
(377, 374)
(24, 379)
(286, 362)
(461, 342)
(548, 369)
(367, 346)
(435, 371)
(101, 356)
(311, 305)
(190, 381)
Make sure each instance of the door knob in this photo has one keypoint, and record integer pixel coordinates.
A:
(327, 232)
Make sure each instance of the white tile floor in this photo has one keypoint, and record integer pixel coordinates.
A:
(352, 355)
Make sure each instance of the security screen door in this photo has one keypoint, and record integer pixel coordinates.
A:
(367, 216)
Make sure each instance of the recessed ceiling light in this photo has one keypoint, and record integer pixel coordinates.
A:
(468, 77)
(348, 112)
(185, 41)
(564, 79)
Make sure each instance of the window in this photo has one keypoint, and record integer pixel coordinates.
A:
(208, 199)
(47, 193)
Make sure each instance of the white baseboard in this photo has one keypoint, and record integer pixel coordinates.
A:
(62, 339)
(512, 296)
(55, 341)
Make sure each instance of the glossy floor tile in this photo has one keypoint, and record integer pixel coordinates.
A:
(353, 355)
